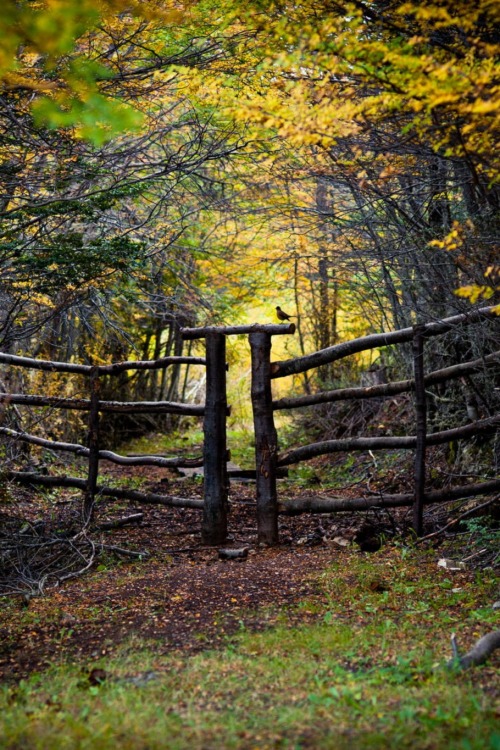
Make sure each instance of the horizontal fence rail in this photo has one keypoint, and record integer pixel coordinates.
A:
(148, 498)
(389, 389)
(112, 407)
(271, 330)
(113, 369)
(328, 504)
(94, 406)
(376, 341)
(81, 450)
(346, 445)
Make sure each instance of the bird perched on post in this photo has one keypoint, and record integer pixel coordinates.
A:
(282, 315)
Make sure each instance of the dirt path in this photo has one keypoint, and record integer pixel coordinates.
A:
(183, 596)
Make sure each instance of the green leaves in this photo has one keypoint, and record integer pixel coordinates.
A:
(69, 261)
(96, 118)
(42, 50)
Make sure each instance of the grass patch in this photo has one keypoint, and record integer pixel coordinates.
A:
(367, 673)
(191, 441)
(240, 442)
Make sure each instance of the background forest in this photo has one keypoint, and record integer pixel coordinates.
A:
(169, 164)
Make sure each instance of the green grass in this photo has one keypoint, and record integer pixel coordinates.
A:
(367, 673)
(239, 441)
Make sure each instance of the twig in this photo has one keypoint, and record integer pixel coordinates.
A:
(80, 572)
(475, 554)
(122, 551)
(106, 525)
(199, 548)
(467, 513)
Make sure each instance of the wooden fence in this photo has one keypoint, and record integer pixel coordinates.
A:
(94, 406)
(268, 459)
(216, 482)
(215, 411)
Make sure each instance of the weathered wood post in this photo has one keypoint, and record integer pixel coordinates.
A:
(421, 428)
(214, 524)
(93, 446)
(266, 440)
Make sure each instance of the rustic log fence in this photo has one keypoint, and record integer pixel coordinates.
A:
(268, 460)
(94, 406)
(418, 443)
(215, 411)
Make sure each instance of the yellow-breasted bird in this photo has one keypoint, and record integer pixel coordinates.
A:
(282, 315)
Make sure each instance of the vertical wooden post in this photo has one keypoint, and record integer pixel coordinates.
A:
(214, 524)
(266, 440)
(93, 446)
(421, 420)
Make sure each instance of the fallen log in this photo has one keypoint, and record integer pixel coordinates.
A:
(478, 654)
(133, 518)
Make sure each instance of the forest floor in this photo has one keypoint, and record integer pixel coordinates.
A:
(180, 594)
(312, 644)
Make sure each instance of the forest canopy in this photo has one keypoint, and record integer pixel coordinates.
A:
(165, 164)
